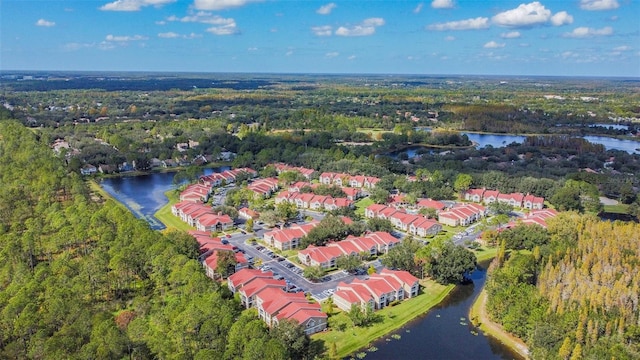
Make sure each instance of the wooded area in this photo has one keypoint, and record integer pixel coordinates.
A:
(84, 279)
(575, 292)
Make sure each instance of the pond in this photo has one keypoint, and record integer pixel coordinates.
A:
(501, 140)
(445, 332)
(630, 146)
(144, 195)
(495, 140)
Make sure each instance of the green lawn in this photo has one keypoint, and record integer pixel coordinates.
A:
(166, 217)
(617, 209)
(355, 338)
(362, 204)
(486, 253)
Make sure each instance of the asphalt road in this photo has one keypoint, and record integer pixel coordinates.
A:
(319, 290)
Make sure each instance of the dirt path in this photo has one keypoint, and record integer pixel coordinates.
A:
(495, 330)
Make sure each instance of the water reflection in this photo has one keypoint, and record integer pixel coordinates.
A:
(144, 195)
(445, 332)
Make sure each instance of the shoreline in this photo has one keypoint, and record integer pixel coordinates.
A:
(355, 339)
(480, 319)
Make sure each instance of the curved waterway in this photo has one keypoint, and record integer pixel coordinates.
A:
(144, 195)
(445, 332)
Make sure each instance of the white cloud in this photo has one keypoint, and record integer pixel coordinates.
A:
(326, 9)
(442, 4)
(204, 18)
(226, 29)
(77, 46)
(418, 8)
(252, 49)
(510, 35)
(352, 57)
(587, 32)
(493, 45)
(450, 38)
(45, 23)
(332, 54)
(172, 35)
(366, 28)
(223, 26)
(325, 30)
(595, 5)
(531, 14)
(133, 5)
(469, 24)
(113, 38)
(561, 18)
(220, 4)
(161, 22)
(289, 53)
(168, 35)
(622, 48)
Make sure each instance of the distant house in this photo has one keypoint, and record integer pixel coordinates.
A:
(378, 291)
(106, 169)
(462, 215)
(88, 169)
(125, 166)
(169, 163)
(430, 204)
(379, 242)
(213, 222)
(155, 163)
(513, 199)
(288, 238)
(475, 195)
(247, 213)
(533, 202)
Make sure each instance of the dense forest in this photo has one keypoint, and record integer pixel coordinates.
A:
(572, 291)
(82, 278)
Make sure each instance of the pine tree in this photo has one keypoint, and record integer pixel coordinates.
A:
(565, 349)
(577, 352)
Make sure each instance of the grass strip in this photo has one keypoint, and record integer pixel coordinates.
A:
(354, 338)
(362, 204)
(167, 218)
(480, 318)
(486, 253)
(617, 209)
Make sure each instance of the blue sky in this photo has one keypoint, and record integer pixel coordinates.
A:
(563, 38)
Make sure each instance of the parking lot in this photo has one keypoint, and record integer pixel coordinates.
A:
(288, 270)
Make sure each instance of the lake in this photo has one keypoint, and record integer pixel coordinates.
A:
(501, 140)
(445, 332)
(144, 195)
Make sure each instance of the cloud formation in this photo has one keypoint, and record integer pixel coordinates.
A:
(561, 18)
(45, 23)
(442, 4)
(597, 5)
(325, 30)
(366, 28)
(222, 26)
(326, 9)
(172, 35)
(493, 45)
(531, 14)
(220, 4)
(418, 8)
(114, 38)
(332, 54)
(132, 5)
(510, 35)
(469, 24)
(587, 32)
